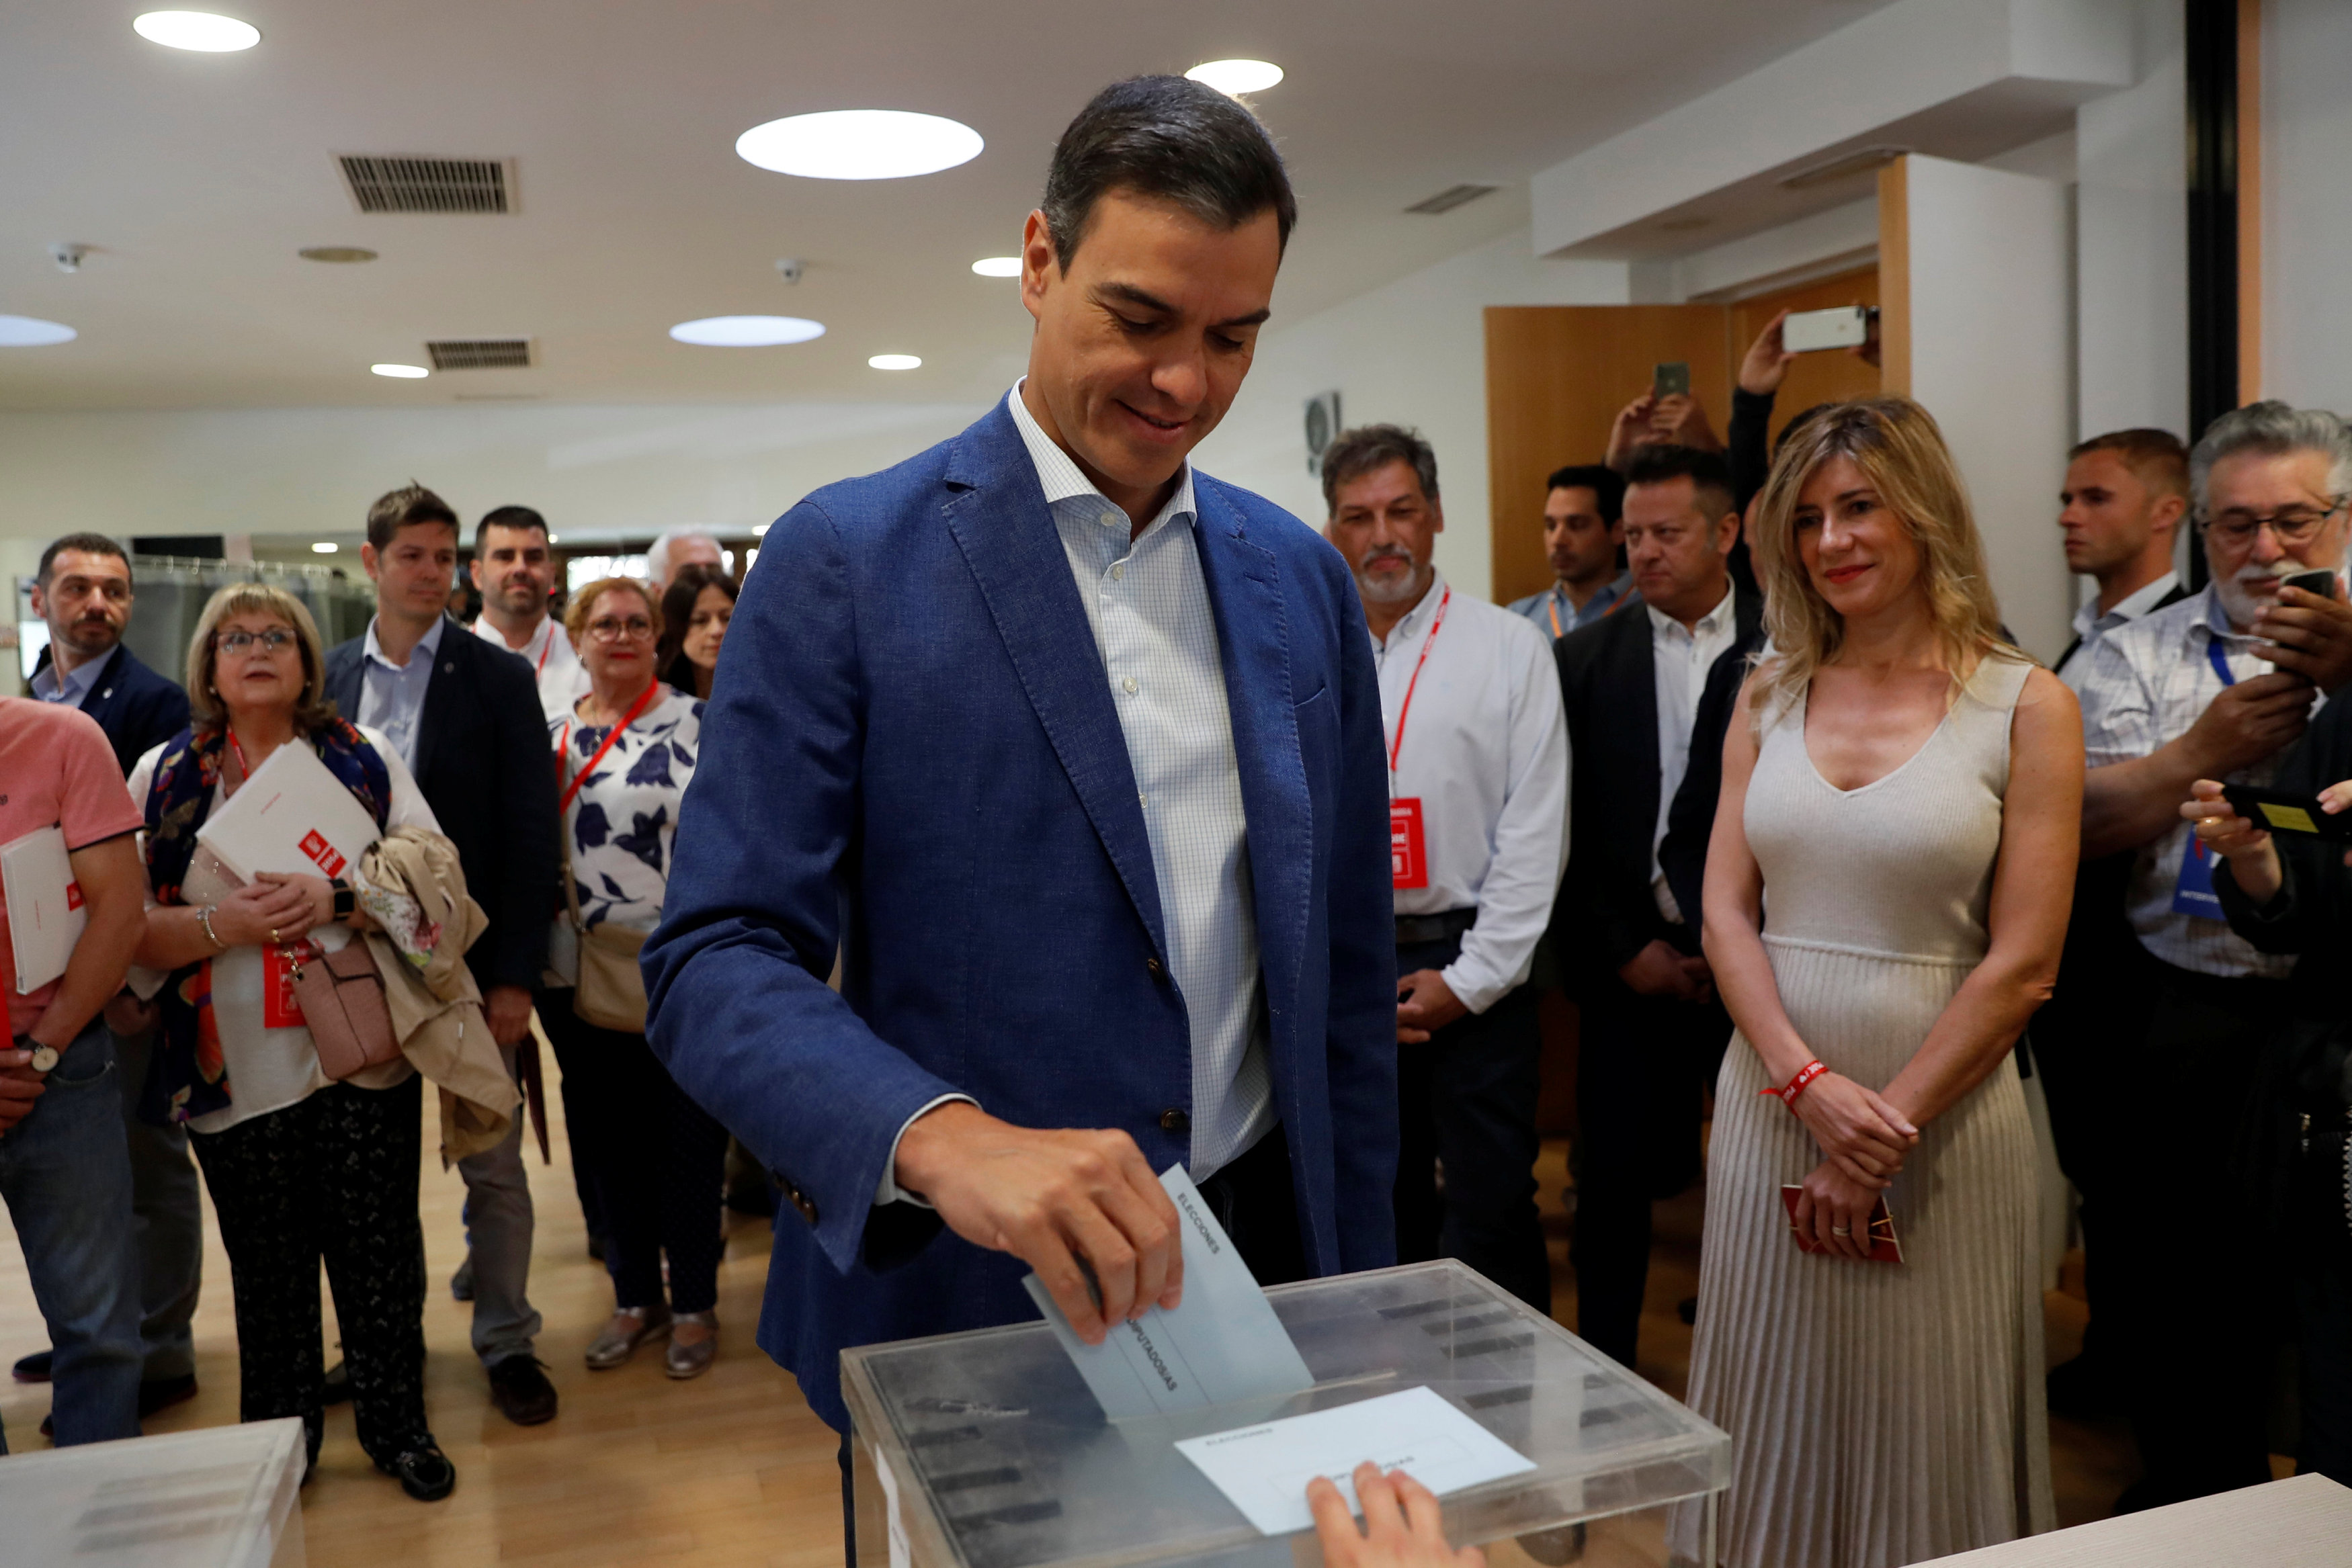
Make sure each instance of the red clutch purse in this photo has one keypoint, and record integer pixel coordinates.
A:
(1884, 1248)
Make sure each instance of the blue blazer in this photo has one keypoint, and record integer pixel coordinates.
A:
(911, 747)
(138, 708)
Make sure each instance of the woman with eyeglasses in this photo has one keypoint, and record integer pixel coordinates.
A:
(300, 1168)
(624, 758)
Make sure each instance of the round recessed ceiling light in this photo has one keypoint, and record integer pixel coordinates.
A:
(198, 30)
(324, 548)
(32, 332)
(1235, 77)
(747, 331)
(402, 372)
(895, 362)
(336, 252)
(998, 267)
(859, 144)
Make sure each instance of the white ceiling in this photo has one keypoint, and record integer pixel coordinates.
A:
(196, 178)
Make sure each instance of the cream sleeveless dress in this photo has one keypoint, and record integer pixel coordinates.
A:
(1880, 1413)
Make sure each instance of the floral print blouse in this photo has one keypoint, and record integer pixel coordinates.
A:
(621, 822)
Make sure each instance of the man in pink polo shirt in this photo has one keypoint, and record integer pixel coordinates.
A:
(64, 1169)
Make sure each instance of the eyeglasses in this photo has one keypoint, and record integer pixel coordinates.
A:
(2293, 525)
(276, 639)
(612, 629)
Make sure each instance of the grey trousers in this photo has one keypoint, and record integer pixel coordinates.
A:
(498, 1241)
(166, 1221)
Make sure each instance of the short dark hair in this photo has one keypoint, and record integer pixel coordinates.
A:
(504, 517)
(1607, 486)
(396, 509)
(2158, 458)
(1709, 475)
(1172, 138)
(87, 544)
(1369, 447)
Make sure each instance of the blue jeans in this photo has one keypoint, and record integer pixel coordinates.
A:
(65, 1174)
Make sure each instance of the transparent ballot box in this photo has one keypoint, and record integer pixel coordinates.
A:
(987, 1450)
(219, 1497)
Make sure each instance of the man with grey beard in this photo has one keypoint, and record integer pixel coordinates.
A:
(2215, 686)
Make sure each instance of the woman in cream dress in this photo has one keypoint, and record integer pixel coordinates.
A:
(1886, 895)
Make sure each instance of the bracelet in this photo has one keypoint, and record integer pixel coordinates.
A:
(204, 919)
(1796, 1086)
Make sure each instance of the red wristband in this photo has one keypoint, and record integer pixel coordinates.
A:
(1796, 1086)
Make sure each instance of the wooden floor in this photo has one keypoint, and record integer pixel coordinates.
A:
(731, 1468)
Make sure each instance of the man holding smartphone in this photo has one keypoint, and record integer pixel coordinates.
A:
(2214, 687)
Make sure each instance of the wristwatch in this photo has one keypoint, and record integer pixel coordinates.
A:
(45, 1057)
(347, 901)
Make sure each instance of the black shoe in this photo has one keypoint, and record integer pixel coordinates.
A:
(519, 1388)
(336, 1386)
(162, 1392)
(461, 1284)
(34, 1368)
(424, 1471)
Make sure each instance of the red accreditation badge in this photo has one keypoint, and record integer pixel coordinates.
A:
(1408, 858)
(280, 1007)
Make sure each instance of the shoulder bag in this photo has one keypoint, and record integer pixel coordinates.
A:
(341, 996)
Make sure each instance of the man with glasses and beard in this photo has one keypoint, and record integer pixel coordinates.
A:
(1478, 837)
(2215, 686)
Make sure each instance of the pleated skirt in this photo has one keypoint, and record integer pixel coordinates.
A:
(1880, 1413)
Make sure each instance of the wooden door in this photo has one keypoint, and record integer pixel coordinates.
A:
(1555, 377)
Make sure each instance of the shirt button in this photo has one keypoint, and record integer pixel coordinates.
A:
(1112, 519)
(1117, 571)
(1128, 685)
(1175, 1121)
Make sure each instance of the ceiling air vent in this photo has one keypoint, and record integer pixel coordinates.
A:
(480, 353)
(1453, 196)
(387, 184)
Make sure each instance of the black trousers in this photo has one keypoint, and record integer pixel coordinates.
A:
(331, 1177)
(2189, 1282)
(1253, 1198)
(1466, 1097)
(1642, 1066)
(655, 1160)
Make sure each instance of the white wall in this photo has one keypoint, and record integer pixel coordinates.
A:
(2308, 202)
(2131, 236)
(1412, 353)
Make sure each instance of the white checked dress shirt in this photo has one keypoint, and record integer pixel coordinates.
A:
(1681, 656)
(1148, 605)
(562, 679)
(1486, 752)
(2090, 625)
(392, 696)
(2149, 680)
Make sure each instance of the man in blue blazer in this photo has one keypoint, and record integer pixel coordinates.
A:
(83, 591)
(1076, 752)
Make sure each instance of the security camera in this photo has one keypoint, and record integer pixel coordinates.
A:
(790, 268)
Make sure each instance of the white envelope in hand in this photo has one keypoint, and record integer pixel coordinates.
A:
(291, 816)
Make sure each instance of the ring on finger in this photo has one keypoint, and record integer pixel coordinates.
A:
(1839, 1230)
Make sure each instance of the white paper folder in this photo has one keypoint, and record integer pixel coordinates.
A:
(45, 911)
(291, 816)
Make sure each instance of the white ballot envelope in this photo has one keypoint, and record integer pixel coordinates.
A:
(290, 816)
(1263, 1470)
(1222, 1344)
(45, 911)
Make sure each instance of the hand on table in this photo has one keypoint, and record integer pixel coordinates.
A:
(1830, 1203)
(1053, 1198)
(1425, 1004)
(1863, 1136)
(1402, 1525)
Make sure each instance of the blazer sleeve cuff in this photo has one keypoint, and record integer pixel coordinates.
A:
(887, 1189)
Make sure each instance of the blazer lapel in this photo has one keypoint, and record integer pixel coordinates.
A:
(1639, 735)
(997, 514)
(103, 694)
(440, 691)
(1244, 584)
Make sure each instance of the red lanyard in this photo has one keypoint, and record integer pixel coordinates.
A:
(1427, 644)
(545, 649)
(1554, 607)
(571, 791)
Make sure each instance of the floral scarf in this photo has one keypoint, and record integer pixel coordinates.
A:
(190, 1077)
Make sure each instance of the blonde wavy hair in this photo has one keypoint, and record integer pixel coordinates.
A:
(1897, 446)
(312, 709)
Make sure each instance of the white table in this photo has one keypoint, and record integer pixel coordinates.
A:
(219, 1497)
(2305, 1522)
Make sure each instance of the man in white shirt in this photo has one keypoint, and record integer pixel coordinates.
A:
(516, 574)
(2126, 498)
(1632, 688)
(1478, 832)
(2215, 687)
